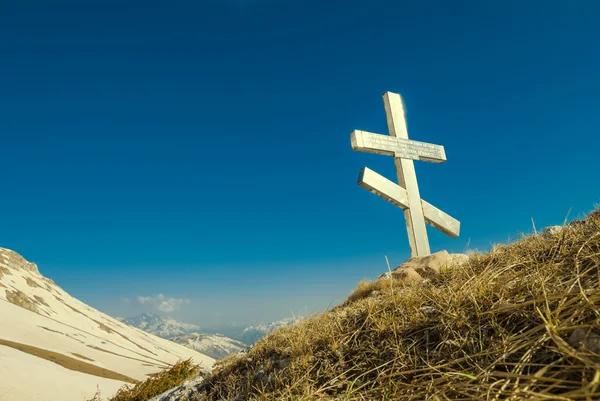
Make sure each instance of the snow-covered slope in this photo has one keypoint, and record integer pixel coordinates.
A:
(214, 345)
(161, 326)
(55, 347)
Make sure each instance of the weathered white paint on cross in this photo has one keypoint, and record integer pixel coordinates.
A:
(417, 212)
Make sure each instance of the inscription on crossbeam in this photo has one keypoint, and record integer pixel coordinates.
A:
(399, 147)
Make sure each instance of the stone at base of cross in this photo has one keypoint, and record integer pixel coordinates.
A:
(420, 267)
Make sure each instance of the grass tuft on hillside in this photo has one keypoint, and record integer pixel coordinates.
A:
(520, 322)
(156, 384)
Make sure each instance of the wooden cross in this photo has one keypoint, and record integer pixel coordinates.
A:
(417, 212)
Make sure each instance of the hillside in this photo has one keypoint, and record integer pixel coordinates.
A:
(520, 322)
(55, 347)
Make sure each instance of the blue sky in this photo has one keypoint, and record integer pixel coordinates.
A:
(201, 149)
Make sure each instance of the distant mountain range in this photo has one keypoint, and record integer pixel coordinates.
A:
(215, 345)
(251, 334)
(162, 326)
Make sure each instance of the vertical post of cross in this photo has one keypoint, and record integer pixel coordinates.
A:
(407, 178)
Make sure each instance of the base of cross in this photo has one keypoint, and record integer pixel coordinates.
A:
(418, 268)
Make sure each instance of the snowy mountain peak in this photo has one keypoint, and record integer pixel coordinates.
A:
(251, 334)
(214, 345)
(162, 326)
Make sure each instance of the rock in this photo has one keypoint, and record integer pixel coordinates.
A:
(503, 305)
(407, 274)
(270, 378)
(419, 267)
(552, 231)
(427, 309)
(16, 261)
(585, 339)
(190, 389)
(282, 363)
(260, 374)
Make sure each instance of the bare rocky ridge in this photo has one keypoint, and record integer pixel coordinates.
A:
(17, 262)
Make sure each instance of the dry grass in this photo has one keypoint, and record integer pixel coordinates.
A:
(521, 322)
(155, 385)
(67, 362)
(502, 326)
(82, 356)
